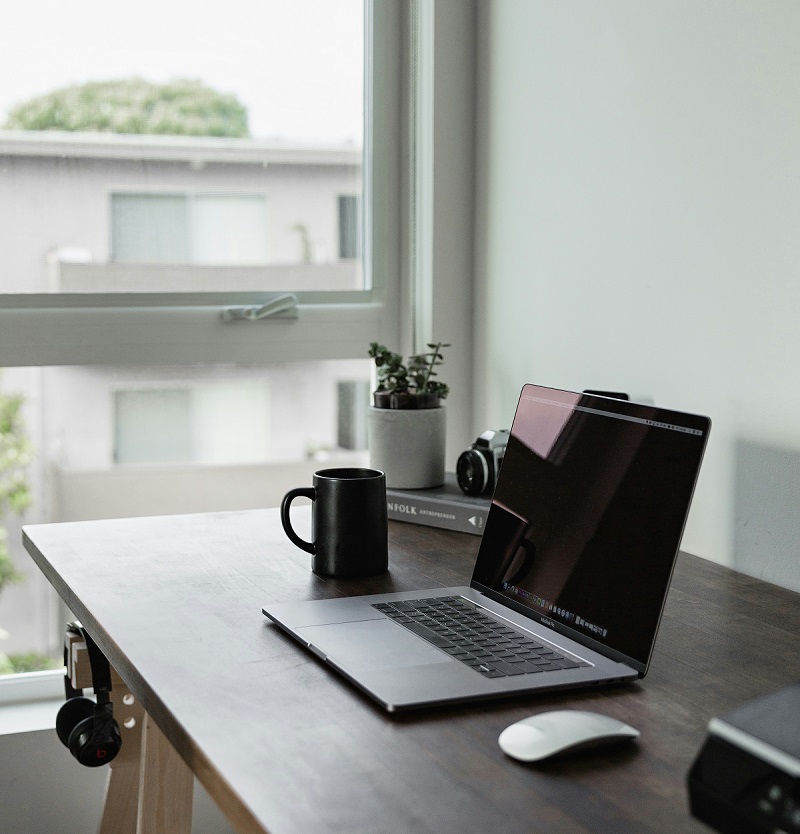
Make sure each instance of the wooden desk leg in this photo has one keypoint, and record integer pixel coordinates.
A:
(121, 809)
(149, 788)
(166, 786)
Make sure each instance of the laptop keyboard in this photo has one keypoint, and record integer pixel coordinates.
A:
(474, 638)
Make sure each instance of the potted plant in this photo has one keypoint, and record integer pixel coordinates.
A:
(408, 386)
(407, 427)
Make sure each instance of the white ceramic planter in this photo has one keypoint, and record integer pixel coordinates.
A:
(408, 445)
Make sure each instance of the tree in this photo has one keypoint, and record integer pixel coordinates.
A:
(183, 106)
(15, 495)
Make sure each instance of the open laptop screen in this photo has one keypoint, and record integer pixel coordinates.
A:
(588, 513)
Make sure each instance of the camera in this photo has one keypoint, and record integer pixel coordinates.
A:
(477, 467)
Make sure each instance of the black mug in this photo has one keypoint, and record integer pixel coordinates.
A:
(349, 526)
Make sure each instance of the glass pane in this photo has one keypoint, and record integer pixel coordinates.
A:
(225, 136)
(152, 427)
(149, 227)
(107, 442)
(229, 229)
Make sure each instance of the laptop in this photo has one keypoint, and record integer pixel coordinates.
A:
(571, 575)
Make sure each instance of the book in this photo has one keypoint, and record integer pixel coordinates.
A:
(446, 507)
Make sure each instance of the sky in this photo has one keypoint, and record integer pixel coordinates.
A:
(296, 65)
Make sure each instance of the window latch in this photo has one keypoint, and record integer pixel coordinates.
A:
(282, 306)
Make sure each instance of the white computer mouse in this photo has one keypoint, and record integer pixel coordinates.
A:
(539, 736)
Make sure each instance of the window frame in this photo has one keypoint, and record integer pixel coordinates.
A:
(172, 328)
(131, 328)
(399, 307)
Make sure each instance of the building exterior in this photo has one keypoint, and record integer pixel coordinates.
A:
(112, 211)
(89, 213)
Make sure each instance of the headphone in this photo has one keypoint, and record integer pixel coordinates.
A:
(85, 726)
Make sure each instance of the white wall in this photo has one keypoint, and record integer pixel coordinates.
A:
(639, 229)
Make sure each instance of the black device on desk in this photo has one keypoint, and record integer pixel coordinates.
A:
(746, 779)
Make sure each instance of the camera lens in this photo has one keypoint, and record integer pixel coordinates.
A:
(472, 472)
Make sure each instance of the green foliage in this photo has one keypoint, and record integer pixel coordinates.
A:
(412, 380)
(6, 666)
(15, 455)
(15, 495)
(421, 367)
(392, 373)
(33, 662)
(183, 107)
(8, 573)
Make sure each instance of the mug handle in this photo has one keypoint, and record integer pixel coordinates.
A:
(300, 492)
(529, 554)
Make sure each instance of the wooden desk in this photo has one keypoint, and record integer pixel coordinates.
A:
(284, 745)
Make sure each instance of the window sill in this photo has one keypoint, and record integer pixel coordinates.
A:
(29, 718)
(29, 702)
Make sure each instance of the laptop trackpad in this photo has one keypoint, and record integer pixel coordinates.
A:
(371, 644)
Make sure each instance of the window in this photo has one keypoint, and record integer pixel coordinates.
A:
(189, 228)
(222, 422)
(121, 253)
(133, 440)
(152, 427)
(60, 257)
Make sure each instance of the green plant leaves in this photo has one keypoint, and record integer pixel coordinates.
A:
(416, 377)
(15, 494)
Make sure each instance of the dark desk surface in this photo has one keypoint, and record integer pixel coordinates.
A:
(285, 745)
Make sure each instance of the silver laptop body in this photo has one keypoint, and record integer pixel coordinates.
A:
(576, 556)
